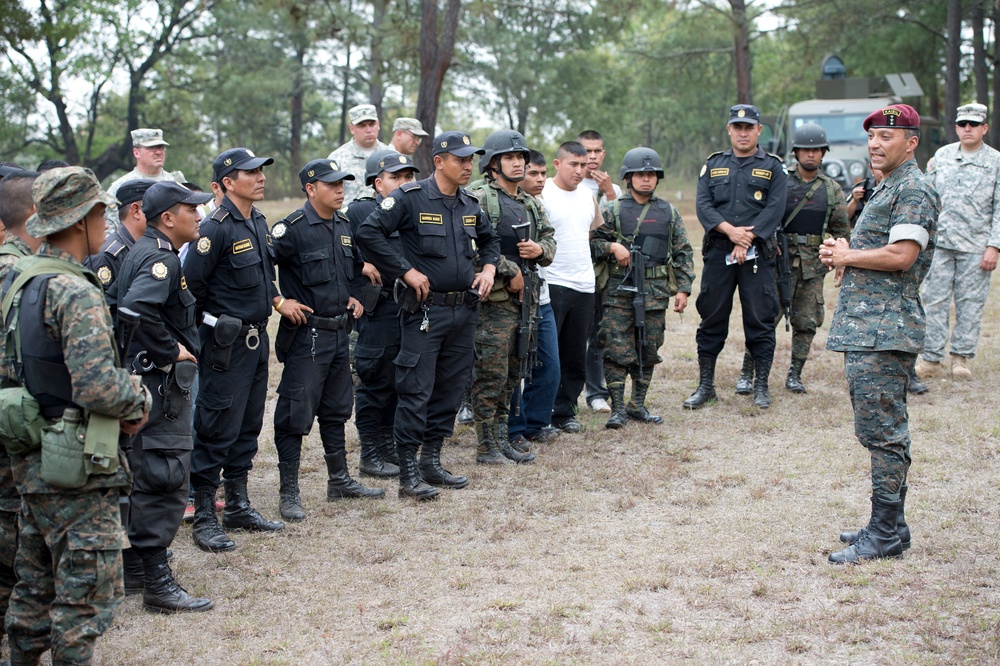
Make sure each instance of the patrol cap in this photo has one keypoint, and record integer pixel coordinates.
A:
(361, 113)
(241, 159)
(326, 171)
(62, 198)
(900, 116)
(411, 125)
(164, 195)
(744, 113)
(148, 137)
(387, 160)
(456, 143)
(132, 191)
(974, 112)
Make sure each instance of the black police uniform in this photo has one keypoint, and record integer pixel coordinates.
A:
(151, 284)
(745, 192)
(438, 344)
(107, 263)
(230, 271)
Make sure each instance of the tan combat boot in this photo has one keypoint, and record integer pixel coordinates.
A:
(959, 370)
(928, 369)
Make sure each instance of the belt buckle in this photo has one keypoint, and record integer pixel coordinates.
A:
(253, 339)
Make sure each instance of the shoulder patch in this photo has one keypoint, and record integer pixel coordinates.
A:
(387, 203)
(293, 217)
(279, 230)
(163, 245)
(219, 214)
(114, 248)
(104, 275)
(160, 271)
(204, 245)
(406, 187)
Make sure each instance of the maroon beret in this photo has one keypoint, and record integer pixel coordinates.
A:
(901, 116)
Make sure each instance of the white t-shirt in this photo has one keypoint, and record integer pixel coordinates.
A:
(571, 214)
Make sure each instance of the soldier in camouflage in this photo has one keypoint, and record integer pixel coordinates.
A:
(69, 566)
(967, 175)
(508, 208)
(353, 156)
(150, 152)
(642, 220)
(879, 321)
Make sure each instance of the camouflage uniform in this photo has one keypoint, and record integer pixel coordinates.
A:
(111, 214)
(616, 330)
(969, 223)
(351, 158)
(879, 322)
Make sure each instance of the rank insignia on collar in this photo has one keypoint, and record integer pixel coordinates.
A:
(159, 270)
(204, 245)
(279, 230)
(388, 203)
(104, 275)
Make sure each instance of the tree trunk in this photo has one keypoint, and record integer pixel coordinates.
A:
(979, 66)
(437, 46)
(741, 43)
(951, 75)
(295, 110)
(376, 90)
(995, 125)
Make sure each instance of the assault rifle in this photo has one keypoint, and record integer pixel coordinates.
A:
(634, 282)
(784, 277)
(526, 338)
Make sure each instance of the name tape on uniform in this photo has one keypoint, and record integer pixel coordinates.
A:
(760, 173)
(242, 246)
(431, 218)
(715, 173)
(469, 220)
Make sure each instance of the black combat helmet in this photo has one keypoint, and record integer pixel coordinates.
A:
(810, 135)
(641, 159)
(372, 169)
(500, 142)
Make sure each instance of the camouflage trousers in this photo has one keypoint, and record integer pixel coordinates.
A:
(69, 575)
(954, 275)
(616, 336)
(496, 367)
(807, 311)
(10, 506)
(877, 383)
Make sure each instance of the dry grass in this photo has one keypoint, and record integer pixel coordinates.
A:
(703, 540)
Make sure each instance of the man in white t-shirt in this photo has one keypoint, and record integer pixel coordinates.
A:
(573, 213)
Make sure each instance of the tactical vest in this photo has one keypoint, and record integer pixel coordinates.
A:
(656, 243)
(508, 237)
(831, 202)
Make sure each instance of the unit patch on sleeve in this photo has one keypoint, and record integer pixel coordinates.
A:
(159, 270)
(204, 245)
(104, 275)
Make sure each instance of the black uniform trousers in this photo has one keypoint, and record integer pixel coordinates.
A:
(316, 382)
(230, 411)
(160, 458)
(377, 348)
(758, 300)
(574, 313)
(432, 372)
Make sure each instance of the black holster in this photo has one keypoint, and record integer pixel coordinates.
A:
(227, 329)
(177, 387)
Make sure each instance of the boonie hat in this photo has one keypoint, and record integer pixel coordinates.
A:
(411, 125)
(62, 198)
(326, 171)
(132, 191)
(361, 113)
(148, 137)
(899, 116)
(974, 112)
(241, 159)
(163, 196)
(456, 143)
(744, 113)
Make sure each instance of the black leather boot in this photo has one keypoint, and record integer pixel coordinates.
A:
(914, 385)
(744, 385)
(239, 515)
(205, 530)
(761, 394)
(487, 452)
(616, 392)
(636, 408)
(705, 393)
(878, 540)
(162, 593)
(387, 446)
(431, 470)
(340, 485)
(289, 500)
(410, 483)
(794, 380)
(135, 576)
(902, 529)
(372, 462)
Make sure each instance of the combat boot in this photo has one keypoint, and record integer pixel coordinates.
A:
(238, 514)
(705, 393)
(617, 420)
(205, 531)
(340, 485)
(465, 415)
(289, 500)
(761, 394)
(902, 529)
(744, 385)
(959, 370)
(488, 453)
(914, 385)
(636, 408)
(507, 447)
(162, 593)
(387, 446)
(372, 462)
(135, 577)
(928, 369)
(794, 380)
(410, 483)
(879, 540)
(431, 470)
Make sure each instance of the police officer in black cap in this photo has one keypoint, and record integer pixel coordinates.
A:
(230, 271)
(741, 200)
(378, 331)
(317, 264)
(163, 351)
(131, 224)
(441, 227)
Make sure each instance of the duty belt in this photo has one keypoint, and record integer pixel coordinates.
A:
(328, 323)
(651, 271)
(447, 298)
(249, 332)
(805, 239)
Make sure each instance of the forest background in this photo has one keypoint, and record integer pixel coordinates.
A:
(278, 75)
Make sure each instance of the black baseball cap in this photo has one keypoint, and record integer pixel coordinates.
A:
(133, 190)
(241, 159)
(7, 170)
(456, 143)
(326, 171)
(165, 195)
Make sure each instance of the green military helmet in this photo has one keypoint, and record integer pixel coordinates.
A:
(501, 142)
(810, 135)
(372, 169)
(641, 159)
